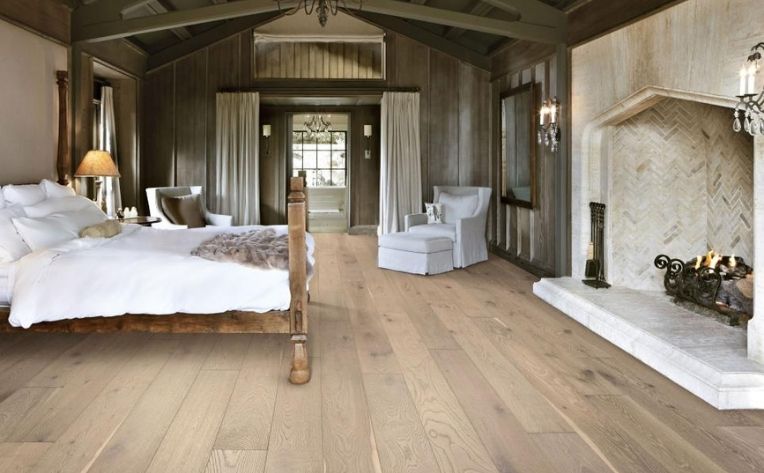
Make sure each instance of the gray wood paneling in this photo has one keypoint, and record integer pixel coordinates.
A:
(443, 165)
(191, 130)
(473, 126)
(126, 93)
(317, 61)
(364, 173)
(158, 157)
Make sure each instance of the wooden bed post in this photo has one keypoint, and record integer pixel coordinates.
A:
(64, 157)
(298, 282)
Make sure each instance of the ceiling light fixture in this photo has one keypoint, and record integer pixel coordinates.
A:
(317, 123)
(322, 8)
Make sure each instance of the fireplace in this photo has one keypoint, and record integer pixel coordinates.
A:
(677, 181)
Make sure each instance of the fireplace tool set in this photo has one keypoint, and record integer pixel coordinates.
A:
(594, 272)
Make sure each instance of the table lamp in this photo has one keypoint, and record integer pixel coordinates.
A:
(98, 164)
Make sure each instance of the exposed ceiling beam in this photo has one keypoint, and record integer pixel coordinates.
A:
(102, 31)
(479, 9)
(156, 7)
(541, 32)
(428, 38)
(531, 11)
(514, 29)
(207, 38)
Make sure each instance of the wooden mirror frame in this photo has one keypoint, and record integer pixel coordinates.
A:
(533, 115)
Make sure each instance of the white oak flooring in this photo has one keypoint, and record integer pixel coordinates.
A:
(461, 372)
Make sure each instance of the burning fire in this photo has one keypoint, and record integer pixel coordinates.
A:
(712, 260)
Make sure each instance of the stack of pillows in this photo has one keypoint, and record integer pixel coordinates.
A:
(38, 216)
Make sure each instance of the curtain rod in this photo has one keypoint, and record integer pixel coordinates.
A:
(321, 91)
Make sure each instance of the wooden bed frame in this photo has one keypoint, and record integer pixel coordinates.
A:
(293, 321)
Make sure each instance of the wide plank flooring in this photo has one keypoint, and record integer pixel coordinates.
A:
(461, 372)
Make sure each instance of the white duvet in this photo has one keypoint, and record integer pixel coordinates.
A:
(141, 271)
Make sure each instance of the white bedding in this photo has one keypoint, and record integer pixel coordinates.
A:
(5, 283)
(141, 271)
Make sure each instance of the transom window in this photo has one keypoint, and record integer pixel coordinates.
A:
(322, 155)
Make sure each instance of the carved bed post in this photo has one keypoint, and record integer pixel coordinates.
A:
(63, 159)
(298, 280)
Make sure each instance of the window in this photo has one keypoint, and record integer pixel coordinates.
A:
(323, 157)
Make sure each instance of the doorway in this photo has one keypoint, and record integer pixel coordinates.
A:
(319, 149)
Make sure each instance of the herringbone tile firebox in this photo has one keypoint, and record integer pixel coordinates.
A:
(681, 184)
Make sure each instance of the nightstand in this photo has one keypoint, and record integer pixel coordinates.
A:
(145, 221)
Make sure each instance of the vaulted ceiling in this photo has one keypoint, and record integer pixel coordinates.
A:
(471, 28)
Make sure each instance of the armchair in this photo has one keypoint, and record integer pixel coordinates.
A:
(465, 212)
(155, 194)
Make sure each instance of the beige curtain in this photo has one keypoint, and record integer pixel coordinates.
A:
(107, 141)
(237, 162)
(400, 186)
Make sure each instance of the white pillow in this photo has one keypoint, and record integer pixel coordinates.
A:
(54, 190)
(58, 205)
(457, 207)
(2, 199)
(44, 232)
(27, 194)
(12, 246)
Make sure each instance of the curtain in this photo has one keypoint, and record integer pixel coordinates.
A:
(107, 141)
(400, 186)
(237, 188)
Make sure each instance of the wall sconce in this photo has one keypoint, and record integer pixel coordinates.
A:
(367, 132)
(267, 136)
(549, 128)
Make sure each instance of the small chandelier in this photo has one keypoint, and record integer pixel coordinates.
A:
(549, 128)
(317, 123)
(322, 8)
(749, 111)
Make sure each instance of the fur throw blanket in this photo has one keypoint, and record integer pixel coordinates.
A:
(261, 249)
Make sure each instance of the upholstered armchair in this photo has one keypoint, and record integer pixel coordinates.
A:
(155, 194)
(465, 210)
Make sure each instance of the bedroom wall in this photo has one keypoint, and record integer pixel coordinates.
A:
(524, 236)
(29, 126)
(179, 143)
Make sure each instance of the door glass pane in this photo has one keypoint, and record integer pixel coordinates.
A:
(338, 160)
(338, 178)
(324, 159)
(309, 159)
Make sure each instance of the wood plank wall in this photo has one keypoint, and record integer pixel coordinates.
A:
(525, 236)
(454, 105)
(318, 61)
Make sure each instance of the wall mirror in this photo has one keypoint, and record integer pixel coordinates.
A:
(518, 146)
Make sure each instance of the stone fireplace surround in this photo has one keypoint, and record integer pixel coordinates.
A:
(705, 357)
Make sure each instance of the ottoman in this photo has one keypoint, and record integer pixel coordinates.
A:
(415, 253)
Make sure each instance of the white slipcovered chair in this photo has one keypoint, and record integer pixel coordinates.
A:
(465, 210)
(155, 194)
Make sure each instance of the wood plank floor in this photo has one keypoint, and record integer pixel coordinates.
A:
(461, 372)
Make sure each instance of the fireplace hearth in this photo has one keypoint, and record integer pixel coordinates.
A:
(720, 283)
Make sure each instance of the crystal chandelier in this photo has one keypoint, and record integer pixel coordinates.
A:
(549, 128)
(749, 111)
(317, 123)
(322, 8)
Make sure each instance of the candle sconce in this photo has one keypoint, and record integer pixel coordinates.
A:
(750, 103)
(549, 128)
(367, 133)
(267, 138)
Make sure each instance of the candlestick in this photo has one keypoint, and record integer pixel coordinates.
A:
(752, 79)
(554, 112)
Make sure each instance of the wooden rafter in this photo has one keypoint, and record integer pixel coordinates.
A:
(480, 9)
(208, 37)
(103, 30)
(531, 11)
(429, 38)
(156, 7)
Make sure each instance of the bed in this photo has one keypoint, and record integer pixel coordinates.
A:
(146, 280)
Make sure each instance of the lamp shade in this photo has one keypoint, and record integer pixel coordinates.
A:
(97, 163)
